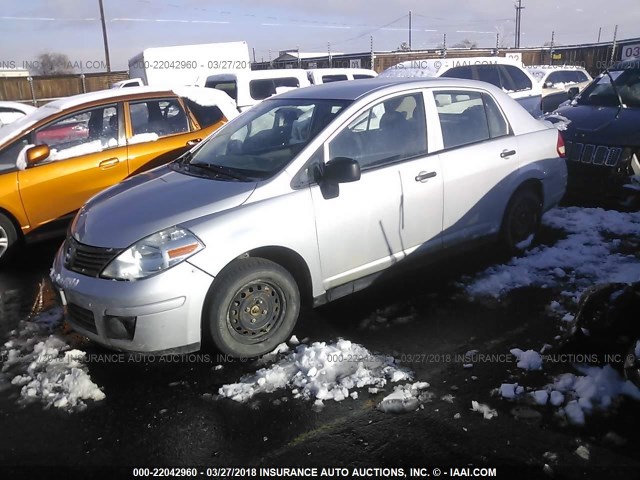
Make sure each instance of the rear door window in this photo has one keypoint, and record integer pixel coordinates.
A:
(152, 119)
(514, 79)
(462, 117)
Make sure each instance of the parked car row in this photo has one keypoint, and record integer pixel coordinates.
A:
(371, 174)
(248, 88)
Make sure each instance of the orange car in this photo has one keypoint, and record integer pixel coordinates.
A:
(54, 159)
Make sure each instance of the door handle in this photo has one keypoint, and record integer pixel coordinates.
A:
(111, 162)
(507, 153)
(193, 142)
(422, 176)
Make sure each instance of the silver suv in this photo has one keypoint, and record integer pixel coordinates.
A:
(308, 195)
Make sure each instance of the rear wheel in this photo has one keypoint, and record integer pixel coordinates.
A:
(8, 239)
(253, 307)
(521, 220)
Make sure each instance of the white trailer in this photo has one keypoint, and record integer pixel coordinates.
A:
(188, 64)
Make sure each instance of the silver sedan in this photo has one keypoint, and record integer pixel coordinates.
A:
(306, 197)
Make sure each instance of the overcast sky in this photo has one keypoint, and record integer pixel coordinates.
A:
(72, 27)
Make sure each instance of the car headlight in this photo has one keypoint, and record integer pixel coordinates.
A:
(153, 254)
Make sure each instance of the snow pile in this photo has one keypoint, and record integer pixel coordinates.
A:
(320, 371)
(45, 367)
(486, 411)
(529, 360)
(597, 388)
(405, 398)
(588, 255)
(510, 390)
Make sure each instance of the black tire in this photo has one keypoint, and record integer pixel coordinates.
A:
(521, 220)
(268, 303)
(8, 239)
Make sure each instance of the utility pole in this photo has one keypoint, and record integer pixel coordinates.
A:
(519, 9)
(329, 52)
(372, 61)
(104, 37)
(599, 33)
(409, 30)
(553, 42)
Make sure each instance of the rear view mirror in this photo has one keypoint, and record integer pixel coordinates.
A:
(37, 154)
(572, 92)
(341, 170)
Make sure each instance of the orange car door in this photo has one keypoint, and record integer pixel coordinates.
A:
(88, 154)
(158, 132)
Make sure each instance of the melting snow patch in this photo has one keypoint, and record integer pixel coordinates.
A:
(598, 388)
(320, 371)
(588, 255)
(486, 411)
(529, 360)
(510, 391)
(405, 398)
(45, 367)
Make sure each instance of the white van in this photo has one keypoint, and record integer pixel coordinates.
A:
(326, 75)
(502, 72)
(249, 88)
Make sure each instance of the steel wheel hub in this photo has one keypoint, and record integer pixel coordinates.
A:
(255, 310)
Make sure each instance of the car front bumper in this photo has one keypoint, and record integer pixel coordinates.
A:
(156, 315)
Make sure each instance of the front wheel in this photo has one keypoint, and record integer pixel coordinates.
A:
(253, 306)
(521, 221)
(8, 239)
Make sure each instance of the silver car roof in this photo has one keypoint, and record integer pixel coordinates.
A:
(359, 88)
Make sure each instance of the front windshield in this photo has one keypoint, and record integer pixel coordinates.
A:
(602, 93)
(264, 139)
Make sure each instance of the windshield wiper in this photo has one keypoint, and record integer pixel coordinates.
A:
(219, 169)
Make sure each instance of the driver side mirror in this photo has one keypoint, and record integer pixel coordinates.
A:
(341, 170)
(336, 171)
(573, 92)
(37, 154)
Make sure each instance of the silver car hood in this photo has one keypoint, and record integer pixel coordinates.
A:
(150, 202)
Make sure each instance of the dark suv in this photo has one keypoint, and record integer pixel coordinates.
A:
(602, 136)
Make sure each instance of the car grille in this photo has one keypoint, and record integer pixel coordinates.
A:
(594, 154)
(85, 259)
(81, 317)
